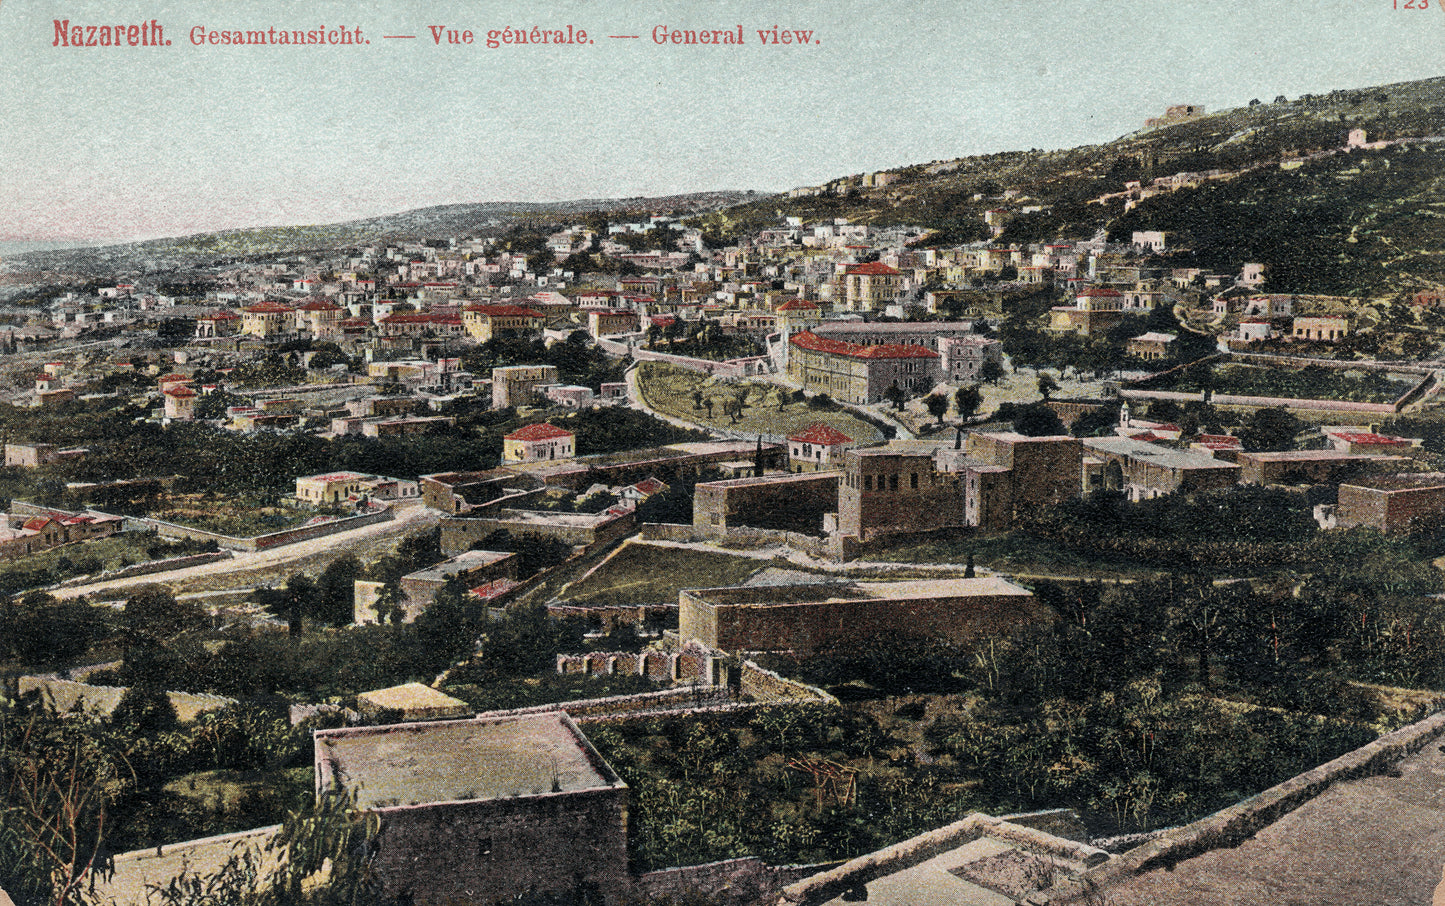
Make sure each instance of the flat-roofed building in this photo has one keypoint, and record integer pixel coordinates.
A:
(1310, 466)
(853, 616)
(476, 567)
(516, 385)
(1392, 503)
(409, 702)
(1144, 470)
(483, 810)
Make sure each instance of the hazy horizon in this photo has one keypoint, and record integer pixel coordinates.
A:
(121, 144)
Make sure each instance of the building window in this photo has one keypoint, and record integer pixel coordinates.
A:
(867, 482)
(913, 481)
(893, 482)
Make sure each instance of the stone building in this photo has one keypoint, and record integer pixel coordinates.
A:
(1392, 503)
(539, 442)
(484, 810)
(820, 447)
(782, 501)
(886, 490)
(268, 319)
(853, 616)
(477, 567)
(964, 357)
(1144, 470)
(855, 373)
(516, 385)
(483, 322)
(870, 287)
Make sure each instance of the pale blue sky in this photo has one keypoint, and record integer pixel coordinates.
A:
(142, 142)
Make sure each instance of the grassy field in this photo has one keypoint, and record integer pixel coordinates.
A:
(669, 389)
(648, 574)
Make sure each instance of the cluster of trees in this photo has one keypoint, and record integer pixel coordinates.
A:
(577, 359)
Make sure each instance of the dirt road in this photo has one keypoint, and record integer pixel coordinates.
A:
(274, 565)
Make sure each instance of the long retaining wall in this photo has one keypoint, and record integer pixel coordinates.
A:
(274, 539)
(1229, 826)
(147, 568)
(732, 882)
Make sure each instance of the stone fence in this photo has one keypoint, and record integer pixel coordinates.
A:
(741, 536)
(273, 539)
(145, 569)
(733, 882)
(821, 888)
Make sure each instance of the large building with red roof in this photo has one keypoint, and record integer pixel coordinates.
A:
(539, 442)
(854, 373)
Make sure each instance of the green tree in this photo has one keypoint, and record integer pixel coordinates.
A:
(1047, 386)
(991, 372)
(937, 405)
(152, 613)
(895, 395)
(967, 400)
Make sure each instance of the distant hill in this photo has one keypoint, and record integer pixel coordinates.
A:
(1363, 222)
(473, 219)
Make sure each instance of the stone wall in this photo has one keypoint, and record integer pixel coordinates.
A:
(145, 569)
(807, 626)
(784, 502)
(767, 686)
(274, 539)
(744, 367)
(459, 533)
(493, 849)
(734, 882)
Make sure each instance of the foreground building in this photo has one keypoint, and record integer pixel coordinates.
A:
(483, 810)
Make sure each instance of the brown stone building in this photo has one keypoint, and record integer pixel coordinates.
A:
(1144, 470)
(886, 490)
(1310, 466)
(1392, 503)
(787, 502)
(483, 810)
(852, 616)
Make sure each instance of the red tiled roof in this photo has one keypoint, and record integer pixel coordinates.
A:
(812, 342)
(798, 305)
(504, 311)
(872, 269)
(180, 392)
(1369, 438)
(822, 434)
(1224, 440)
(36, 523)
(649, 485)
(539, 431)
(220, 316)
(168, 378)
(320, 305)
(270, 308)
(1101, 291)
